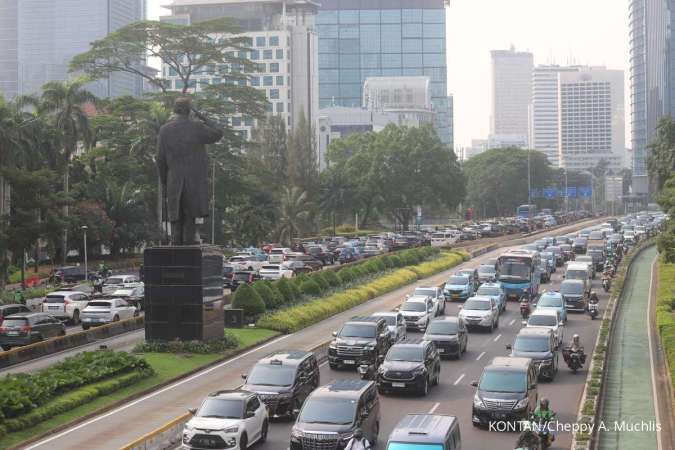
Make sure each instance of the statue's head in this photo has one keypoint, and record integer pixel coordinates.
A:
(182, 106)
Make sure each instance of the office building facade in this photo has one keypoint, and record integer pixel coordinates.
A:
(359, 39)
(38, 38)
(591, 118)
(283, 43)
(511, 92)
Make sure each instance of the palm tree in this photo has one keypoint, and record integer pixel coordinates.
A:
(64, 102)
(335, 191)
(293, 210)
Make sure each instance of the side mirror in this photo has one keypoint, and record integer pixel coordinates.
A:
(192, 411)
(384, 335)
(397, 309)
(334, 333)
(249, 414)
(364, 414)
(474, 383)
(460, 307)
(407, 296)
(524, 323)
(243, 376)
(509, 347)
(561, 323)
(296, 412)
(381, 358)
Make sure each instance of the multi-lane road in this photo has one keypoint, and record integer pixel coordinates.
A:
(122, 425)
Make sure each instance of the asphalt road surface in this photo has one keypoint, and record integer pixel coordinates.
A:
(122, 425)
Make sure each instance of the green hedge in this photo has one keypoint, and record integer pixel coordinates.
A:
(229, 341)
(295, 318)
(248, 299)
(665, 319)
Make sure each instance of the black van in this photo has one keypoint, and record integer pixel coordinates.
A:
(507, 391)
(435, 431)
(332, 412)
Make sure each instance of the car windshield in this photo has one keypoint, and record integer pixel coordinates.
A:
(14, 322)
(269, 268)
(514, 270)
(114, 280)
(271, 375)
(542, 320)
(360, 331)
(405, 353)
(425, 292)
(328, 410)
(487, 269)
(503, 381)
(239, 276)
(221, 409)
(413, 306)
(391, 320)
(576, 274)
(486, 290)
(571, 288)
(411, 446)
(457, 280)
(54, 299)
(477, 305)
(550, 301)
(98, 305)
(442, 327)
(531, 344)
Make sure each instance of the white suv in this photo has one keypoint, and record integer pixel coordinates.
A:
(227, 419)
(418, 311)
(275, 272)
(436, 294)
(481, 312)
(550, 319)
(65, 305)
(100, 312)
(116, 282)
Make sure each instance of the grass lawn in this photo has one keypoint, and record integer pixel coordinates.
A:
(167, 366)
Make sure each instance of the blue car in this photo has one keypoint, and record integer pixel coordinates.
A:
(553, 300)
(495, 291)
(458, 287)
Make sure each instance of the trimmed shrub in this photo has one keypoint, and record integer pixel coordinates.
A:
(284, 288)
(297, 293)
(318, 277)
(248, 299)
(278, 297)
(345, 275)
(263, 289)
(331, 278)
(396, 261)
(229, 341)
(388, 263)
(310, 287)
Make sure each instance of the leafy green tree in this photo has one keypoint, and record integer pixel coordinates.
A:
(303, 169)
(268, 150)
(661, 160)
(294, 210)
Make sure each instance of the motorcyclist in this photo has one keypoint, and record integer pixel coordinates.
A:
(358, 442)
(593, 299)
(545, 414)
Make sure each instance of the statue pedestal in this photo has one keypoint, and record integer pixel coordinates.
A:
(183, 293)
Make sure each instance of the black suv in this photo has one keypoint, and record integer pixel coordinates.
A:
(283, 380)
(332, 413)
(29, 327)
(538, 344)
(362, 340)
(413, 364)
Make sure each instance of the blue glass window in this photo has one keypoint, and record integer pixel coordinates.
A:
(434, 59)
(437, 74)
(268, 81)
(412, 46)
(434, 30)
(434, 45)
(268, 107)
(390, 16)
(255, 81)
(172, 72)
(349, 16)
(349, 31)
(412, 30)
(215, 80)
(390, 60)
(350, 90)
(439, 90)
(349, 45)
(350, 76)
(411, 15)
(328, 60)
(391, 72)
(370, 38)
(260, 41)
(179, 84)
(328, 75)
(370, 16)
(248, 121)
(365, 73)
(274, 94)
(262, 67)
(350, 61)
(274, 41)
(412, 72)
(370, 60)
(255, 54)
(274, 67)
(279, 53)
(267, 54)
(280, 80)
(236, 121)
(328, 31)
(433, 16)
(280, 107)
(327, 16)
(328, 45)
(391, 38)
(412, 60)
(242, 54)
(328, 90)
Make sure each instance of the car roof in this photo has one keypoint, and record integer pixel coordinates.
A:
(232, 394)
(551, 294)
(509, 362)
(577, 264)
(491, 284)
(366, 319)
(483, 298)
(286, 357)
(545, 312)
(534, 332)
(338, 388)
(385, 314)
(410, 342)
(572, 281)
(26, 314)
(417, 298)
(451, 319)
(423, 428)
(64, 292)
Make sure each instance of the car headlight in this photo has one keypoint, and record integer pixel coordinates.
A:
(234, 429)
(422, 319)
(332, 345)
(346, 436)
(188, 427)
(419, 371)
(477, 401)
(295, 433)
(522, 403)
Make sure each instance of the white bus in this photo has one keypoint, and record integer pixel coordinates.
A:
(444, 238)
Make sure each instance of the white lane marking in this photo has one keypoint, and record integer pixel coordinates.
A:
(497, 338)
(480, 356)
(651, 355)
(512, 322)
(458, 380)
(154, 394)
(434, 408)
(323, 363)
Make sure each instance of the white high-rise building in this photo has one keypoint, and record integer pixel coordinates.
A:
(511, 92)
(591, 116)
(543, 130)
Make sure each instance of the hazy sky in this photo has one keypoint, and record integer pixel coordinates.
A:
(593, 32)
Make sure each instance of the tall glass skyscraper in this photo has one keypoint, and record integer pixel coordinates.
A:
(371, 38)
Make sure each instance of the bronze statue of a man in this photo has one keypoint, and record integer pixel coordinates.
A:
(183, 170)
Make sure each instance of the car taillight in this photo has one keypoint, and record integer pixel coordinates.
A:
(66, 302)
(26, 329)
(2, 330)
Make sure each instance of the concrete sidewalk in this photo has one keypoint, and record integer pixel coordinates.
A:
(629, 419)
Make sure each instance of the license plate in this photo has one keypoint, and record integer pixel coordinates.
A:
(349, 361)
(398, 385)
(498, 416)
(455, 295)
(12, 333)
(441, 350)
(54, 307)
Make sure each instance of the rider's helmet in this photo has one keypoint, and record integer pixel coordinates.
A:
(575, 339)
(543, 404)
(358, 433)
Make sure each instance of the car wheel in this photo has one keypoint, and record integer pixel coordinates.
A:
(63, 332)
(437, 377)
(497, 323)
(263, 432)
(243, 442)
(76, 317)
(333, 366)
(85, 327)
(116, 318)
(425, 387)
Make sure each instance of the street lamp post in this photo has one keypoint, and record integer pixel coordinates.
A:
(529, 180)
(86, 268)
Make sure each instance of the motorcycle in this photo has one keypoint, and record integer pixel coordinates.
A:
(367, 371)
(593, 310)
(606, 284)
(574, 359)
(525, 309)
(535, 435)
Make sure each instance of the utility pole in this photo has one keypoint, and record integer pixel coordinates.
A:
(529, 180)
(213, 203)
(86, 265)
